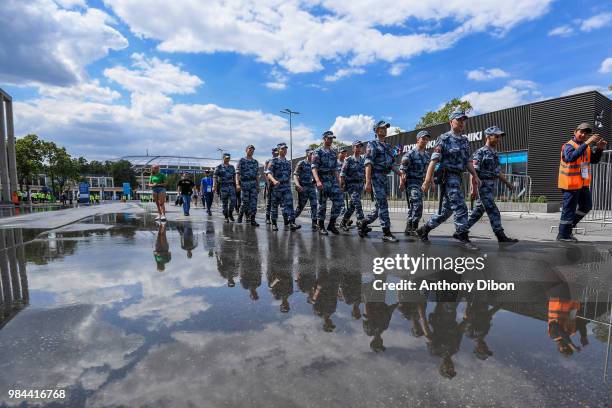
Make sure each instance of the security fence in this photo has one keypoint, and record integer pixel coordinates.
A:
(601, 189)
(516, 200)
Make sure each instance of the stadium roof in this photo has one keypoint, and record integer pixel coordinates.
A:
(173, 161)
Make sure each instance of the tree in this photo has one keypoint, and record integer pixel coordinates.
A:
(123, 172)
(29, 157)
(441, 115)
(335, 144)
(59, 166)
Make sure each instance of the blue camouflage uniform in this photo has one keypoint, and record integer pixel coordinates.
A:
(226, 181)
(303, 171)
(353, 171)
(486, 164)
(414, 165)
(380, 155)
(247, 171)
(280, 168)
(326, 163)
(453, 152)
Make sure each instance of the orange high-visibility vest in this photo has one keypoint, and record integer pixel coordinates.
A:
(560, 310)
(570, 176)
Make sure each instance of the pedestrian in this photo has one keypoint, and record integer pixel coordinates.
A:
(268, 187)
(225, 184)
(185, 189)
(247, 183)
(352, 176)
(342, 153)
(304, 185)
(325, 172)
(412, 173)
(279, 174)
(206, 187)
(577, 155)
(157, 182)
(378, 164)
(452, 152)
(486, 163)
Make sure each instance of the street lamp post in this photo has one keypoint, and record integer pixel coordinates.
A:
(289, 112)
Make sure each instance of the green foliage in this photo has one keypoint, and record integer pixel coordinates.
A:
(541, 199)
(123, 172)
(441, 115)
(28, 150)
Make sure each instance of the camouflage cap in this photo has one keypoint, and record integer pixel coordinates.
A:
(422, 133)
(382, 123)
(357, 143)
(281, 146)
(328, 134)
(494, 130)
(226, 155)
(457, 113)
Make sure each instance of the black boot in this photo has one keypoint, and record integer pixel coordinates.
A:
(293, 226)
(285, 221)
(408, 230)
(321, 228)
(415, 226)
(274, 226)
(465, 239)
(362, 228)
(231, 216)
(344, 225)
(388, 236)
(423, 232)
(240, 214)
(502, 237)
(253, 222)
(268, 222)
(331, 227)
(314, 225)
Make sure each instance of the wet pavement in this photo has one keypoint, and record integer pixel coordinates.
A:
(119, 311)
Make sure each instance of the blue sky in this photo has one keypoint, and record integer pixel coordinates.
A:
(116, 77)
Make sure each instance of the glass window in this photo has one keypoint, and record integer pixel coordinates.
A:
(513, 162)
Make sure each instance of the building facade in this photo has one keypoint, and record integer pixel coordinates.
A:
(8, 163)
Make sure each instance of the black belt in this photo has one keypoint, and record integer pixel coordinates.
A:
(489, 178)
(248, 179)
(227, 183)
(326, 173)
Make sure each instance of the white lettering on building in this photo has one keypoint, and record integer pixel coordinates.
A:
(472, 137)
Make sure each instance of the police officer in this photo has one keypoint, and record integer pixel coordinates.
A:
(268, 192)
(306, 191)
(486, 164)
(577, 155)
(378, 163)
(412, 173)
(352, 175)
(247, 181)
(452, 152)
(324, 170)
(279, 174)
(224, 183)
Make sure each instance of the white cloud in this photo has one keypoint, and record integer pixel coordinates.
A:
(486, 74)
(292, 35)
(516, 92)
(595, 22)
(343, 73)
(587, 88)
(352, 127)
(85, 91)
(43, 43)
(606, 66)
(151, 75)
(280, 80)
(397, 68)
(561, 31)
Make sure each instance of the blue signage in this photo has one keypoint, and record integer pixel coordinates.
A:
(83, 192)
(127, 190)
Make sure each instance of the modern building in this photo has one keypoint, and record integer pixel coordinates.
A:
(8, 163)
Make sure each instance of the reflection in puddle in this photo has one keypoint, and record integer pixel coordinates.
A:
(120, 311)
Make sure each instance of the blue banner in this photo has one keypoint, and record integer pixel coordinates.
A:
(127, 190)
(83, 192)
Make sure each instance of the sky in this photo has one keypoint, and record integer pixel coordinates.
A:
(109, 78)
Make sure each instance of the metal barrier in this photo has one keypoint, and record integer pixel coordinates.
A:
(517, 200)
(601, 191)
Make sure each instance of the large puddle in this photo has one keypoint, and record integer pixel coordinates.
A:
(118, 311)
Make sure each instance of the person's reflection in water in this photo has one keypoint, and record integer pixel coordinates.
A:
(279, 271)
(563, 323)
(188, 241)
(325, 298)
(377, 314)
(477, 318)
(250, 262)
(443, 332)
(162, 249)
(412, 305)
(209, 237)
(227, 256)
(350, 291)
(306, 267)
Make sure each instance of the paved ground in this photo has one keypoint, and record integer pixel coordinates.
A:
(118, 310)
